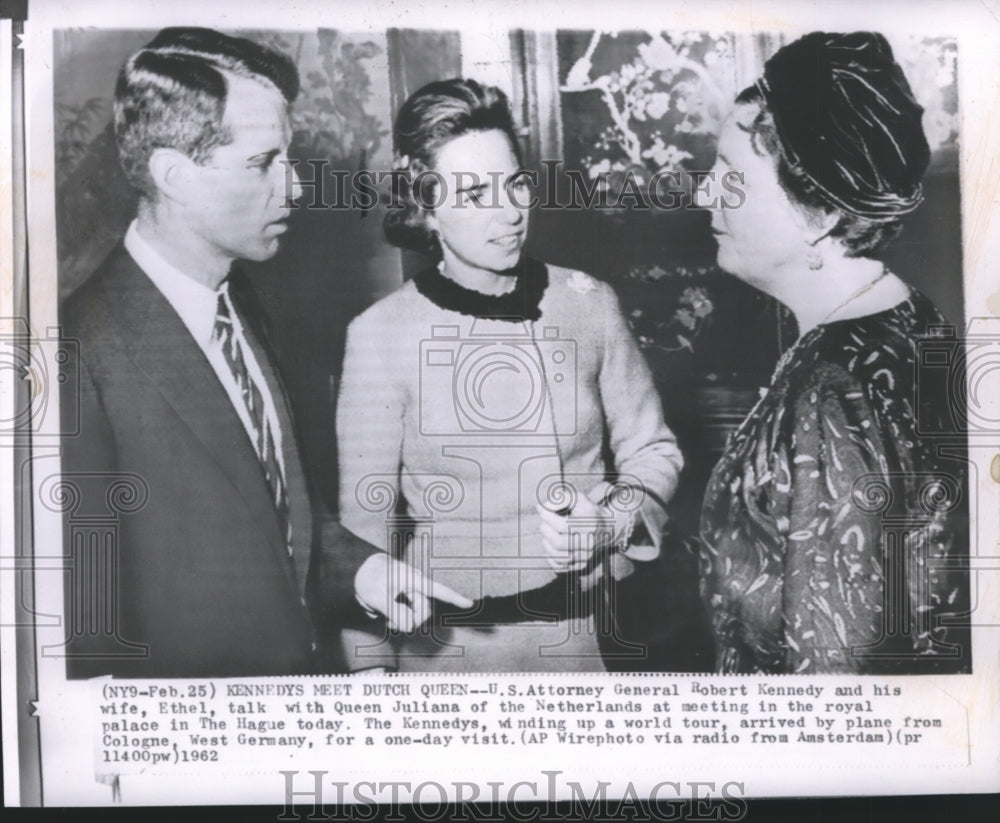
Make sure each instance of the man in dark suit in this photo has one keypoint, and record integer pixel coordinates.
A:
(216, 570)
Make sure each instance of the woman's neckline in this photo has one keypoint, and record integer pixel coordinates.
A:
(883, 291)
(899, 305)
(813, 334)
(519, 304)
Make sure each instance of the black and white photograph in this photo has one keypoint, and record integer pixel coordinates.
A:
(493, 388)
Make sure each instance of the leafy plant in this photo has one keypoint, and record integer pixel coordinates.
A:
(74, 125)
(654, 287)
(330, 120)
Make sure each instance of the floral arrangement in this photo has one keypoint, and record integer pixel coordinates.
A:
(660, 98)
(655, 287)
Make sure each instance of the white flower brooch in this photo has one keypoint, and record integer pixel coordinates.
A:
(580, 283)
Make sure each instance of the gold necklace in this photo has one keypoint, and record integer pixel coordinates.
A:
(787, 355)
(863, 290)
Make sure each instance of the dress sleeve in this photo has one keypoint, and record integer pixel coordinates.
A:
(643, 446)
(834, 581)
(370, 412)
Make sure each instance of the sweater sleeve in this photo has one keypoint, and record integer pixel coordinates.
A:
(370, 412)
(645, 450)
(369, 437)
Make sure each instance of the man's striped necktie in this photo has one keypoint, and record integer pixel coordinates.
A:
(233, 346)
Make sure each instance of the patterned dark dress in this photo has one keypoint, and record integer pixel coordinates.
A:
(825, 493)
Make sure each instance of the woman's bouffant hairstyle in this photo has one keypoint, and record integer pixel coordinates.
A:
(837, 114)
(172, 94)
(433, 116)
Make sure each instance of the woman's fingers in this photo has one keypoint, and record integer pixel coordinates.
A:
(564, 551)
(413, 607)
(556, 522)
(399, 592)
(400, 617)
(553, 540)
(439, 591)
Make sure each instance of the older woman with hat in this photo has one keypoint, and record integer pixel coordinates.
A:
(829, 524)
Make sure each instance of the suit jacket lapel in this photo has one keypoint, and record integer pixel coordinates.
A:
(165, 351)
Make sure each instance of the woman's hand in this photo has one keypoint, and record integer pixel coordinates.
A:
(572, 538)
(400, 593)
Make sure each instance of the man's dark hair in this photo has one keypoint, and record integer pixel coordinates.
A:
(172, 94)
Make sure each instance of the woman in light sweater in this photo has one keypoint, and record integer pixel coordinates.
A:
(498, 427)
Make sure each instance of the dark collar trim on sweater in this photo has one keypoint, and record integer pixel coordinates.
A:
(516, 306)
